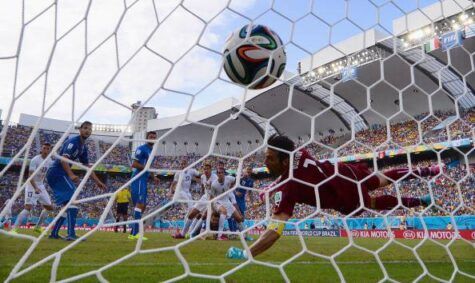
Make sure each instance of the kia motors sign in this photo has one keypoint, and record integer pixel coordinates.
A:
(412, 234)
(409, 234)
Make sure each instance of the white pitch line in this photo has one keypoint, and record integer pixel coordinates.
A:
(236, 263)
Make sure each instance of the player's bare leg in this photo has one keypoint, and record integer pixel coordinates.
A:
(388, 202)
(194, 223)
(44, 213)
(189, 219)
(267, 240)
(24, 214)
(222, 218)
(396, 174)
(197, 229)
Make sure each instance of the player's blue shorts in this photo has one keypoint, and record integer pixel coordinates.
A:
(139, 191)
(242, 207)
(62, 186)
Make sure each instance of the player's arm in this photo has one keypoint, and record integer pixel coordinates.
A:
(33, 183)
(68, 170)
(212, 191)
(85, 161)
(176, 177)
(271, 235)
(232, 198)
(203, 188)
(136, 164)
(69, 149)
(98, 181)
(138, 155)
(173, 186)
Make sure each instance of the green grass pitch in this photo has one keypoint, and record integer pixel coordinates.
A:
(207, 257)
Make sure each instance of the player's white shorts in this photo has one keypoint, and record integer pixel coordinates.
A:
(32, 198)
(185, 196)
(201, 205)
(227, 205)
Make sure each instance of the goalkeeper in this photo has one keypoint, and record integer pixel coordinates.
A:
(338, 193)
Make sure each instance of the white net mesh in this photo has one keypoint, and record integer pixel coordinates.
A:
(389, 83)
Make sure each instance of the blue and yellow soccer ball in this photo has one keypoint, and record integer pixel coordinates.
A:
(256, 60)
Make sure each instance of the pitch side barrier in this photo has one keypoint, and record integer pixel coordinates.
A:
(370, 234)
(464, 222)
(384, 234)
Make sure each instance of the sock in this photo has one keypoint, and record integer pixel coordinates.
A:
(72, 212)
(137, 216)
(43, 215)
(21, 217)
(232, 224)
(239, 226)
(388, 202)
(222, 218)
(197, 229)
(57, 225)
(186, 226)
(193, 224)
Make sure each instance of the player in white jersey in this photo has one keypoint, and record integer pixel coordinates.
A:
(225, 205)
(35, 190)
(196, 215)
(189, 175)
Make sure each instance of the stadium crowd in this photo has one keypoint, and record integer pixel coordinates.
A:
(404, 133)
(447, 193)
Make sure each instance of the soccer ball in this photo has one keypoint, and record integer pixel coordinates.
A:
(246, 60)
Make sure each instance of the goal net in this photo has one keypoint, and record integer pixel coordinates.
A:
(380, 85)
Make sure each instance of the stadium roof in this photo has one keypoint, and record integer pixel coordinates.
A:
(389, 87)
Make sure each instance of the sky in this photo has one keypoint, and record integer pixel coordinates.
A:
(75, 59)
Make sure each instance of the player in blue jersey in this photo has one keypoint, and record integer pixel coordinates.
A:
(62, 179)
(139, 185)
(240, 194)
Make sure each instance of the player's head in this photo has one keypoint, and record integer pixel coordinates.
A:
(183, 163)
(151, 135)
(85, 130)
(220, 164)
(275, 160)
(221, 174)
(207, 168)
(45, 148)
(247, 172)
(214, 222)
